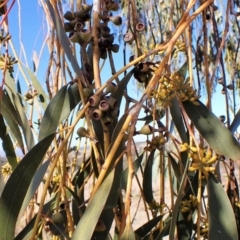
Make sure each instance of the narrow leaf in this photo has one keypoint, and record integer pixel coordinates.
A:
(147, 179)
(177, 120)
(86, 225)
(136, 165)
(211, 128)
(222, 222)
(58, 109)
(235, 123)
(38, 86)
(7, 144)
(10, 116)
(148, 226)
(128, 232)
(37, 179)
(19, 181)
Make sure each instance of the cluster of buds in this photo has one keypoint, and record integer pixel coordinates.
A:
(224, 87)
(157, 142)
(189, 206)
(202, 159)
(105, 41)
(6, 169)
(4, 37)
(174, 85)
(76, 23)
(179, 47)
(7, 63)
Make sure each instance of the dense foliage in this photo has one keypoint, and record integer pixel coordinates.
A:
(83, 174)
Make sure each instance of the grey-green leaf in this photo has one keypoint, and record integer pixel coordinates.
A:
(19, 181)
(90, 217)
(222, 222)
(58, 109)
(211, 128)
(10, 115)
(37, 179)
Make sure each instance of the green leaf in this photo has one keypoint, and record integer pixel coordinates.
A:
(37, 179)
(136, 164)
(222, 222)
(182, 71)
(21, 115)
(211, 128)
(10, 116)
(235, 123)
(86, 225)
(147, 179)
(148, 226)
(177, 120)
(23, 122)
(176, 168)
(38, 86)
(58, 109)
(7, 145)
(118, 95)
(26, 231)
(128, 233)
(19, 181)
(178, 203)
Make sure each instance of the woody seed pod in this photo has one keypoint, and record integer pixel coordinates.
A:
(103, 105)
(117, 20)
(68, 27)
(140, 27)
(97, 114)
(69, 16)
(94, 100)
(128, 38)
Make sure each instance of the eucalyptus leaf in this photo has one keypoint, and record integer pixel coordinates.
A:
(211, 128)
(147, 180)
(87, 223)
(37, 179)
(128, 233)
(9, 114)
(58, 109)
(19, 181)
(222, 222)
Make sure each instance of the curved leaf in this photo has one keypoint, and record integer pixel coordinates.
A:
(211, 128)
(7, 144)
(37, 86)
(58, 109)
(136, 164)
(37, 179)
(22, 118)
(20, 179)
(23, 122)
(10, 116)
(148, 226)
(222, 222)
(147, 179)
(128, 233)
(235, 123)
(177, 120)
(86, 225)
